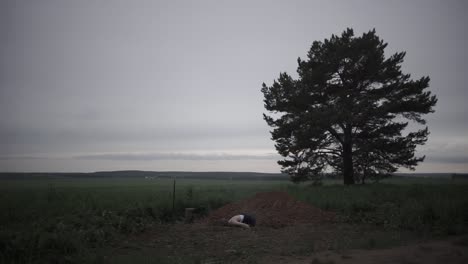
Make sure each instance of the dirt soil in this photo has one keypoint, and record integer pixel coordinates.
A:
(287, 231)
(272, 209)
(451, 251)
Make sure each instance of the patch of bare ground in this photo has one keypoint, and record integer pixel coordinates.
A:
(273, 209)
(452, 250)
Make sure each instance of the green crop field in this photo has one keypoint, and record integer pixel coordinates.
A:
(68, 220)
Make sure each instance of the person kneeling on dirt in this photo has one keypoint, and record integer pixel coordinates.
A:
(242, 220)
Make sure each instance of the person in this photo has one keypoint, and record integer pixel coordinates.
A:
(243, 220)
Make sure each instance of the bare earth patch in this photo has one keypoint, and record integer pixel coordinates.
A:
(273, 209)
(449, 251)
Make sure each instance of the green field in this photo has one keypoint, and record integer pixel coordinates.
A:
(70, 220)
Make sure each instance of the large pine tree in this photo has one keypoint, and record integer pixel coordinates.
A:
(347, 111)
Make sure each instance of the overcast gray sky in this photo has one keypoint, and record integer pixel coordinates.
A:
(175, 85)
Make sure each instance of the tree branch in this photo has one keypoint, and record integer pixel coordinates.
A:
(335, 134)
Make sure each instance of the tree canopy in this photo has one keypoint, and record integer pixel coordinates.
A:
(348, 111)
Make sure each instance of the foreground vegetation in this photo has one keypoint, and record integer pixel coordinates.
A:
(67, 220)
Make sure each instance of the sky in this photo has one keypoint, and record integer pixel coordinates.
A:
(175, 85)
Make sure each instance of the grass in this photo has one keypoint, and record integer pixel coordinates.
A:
(64, 220)
(433, 209)
(52, 220)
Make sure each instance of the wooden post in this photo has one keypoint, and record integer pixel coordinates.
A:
(189, 215)
(173, 199)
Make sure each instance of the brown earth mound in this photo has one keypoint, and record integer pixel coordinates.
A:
(272, 209)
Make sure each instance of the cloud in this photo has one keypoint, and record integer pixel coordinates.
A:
(176, 156)
(449, 159)
(450, 150)
(32, 157)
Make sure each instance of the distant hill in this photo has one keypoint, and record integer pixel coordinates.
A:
(221, 175)
(433, 175)
(148, 174)
(195, 175)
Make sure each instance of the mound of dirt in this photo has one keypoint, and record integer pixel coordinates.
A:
(272, 209)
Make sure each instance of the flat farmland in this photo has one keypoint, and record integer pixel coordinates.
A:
(136, 220)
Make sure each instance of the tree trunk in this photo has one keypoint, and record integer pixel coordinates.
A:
(348, 170)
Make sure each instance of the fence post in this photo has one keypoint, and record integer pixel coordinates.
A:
(189, 215)
(173, 198)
